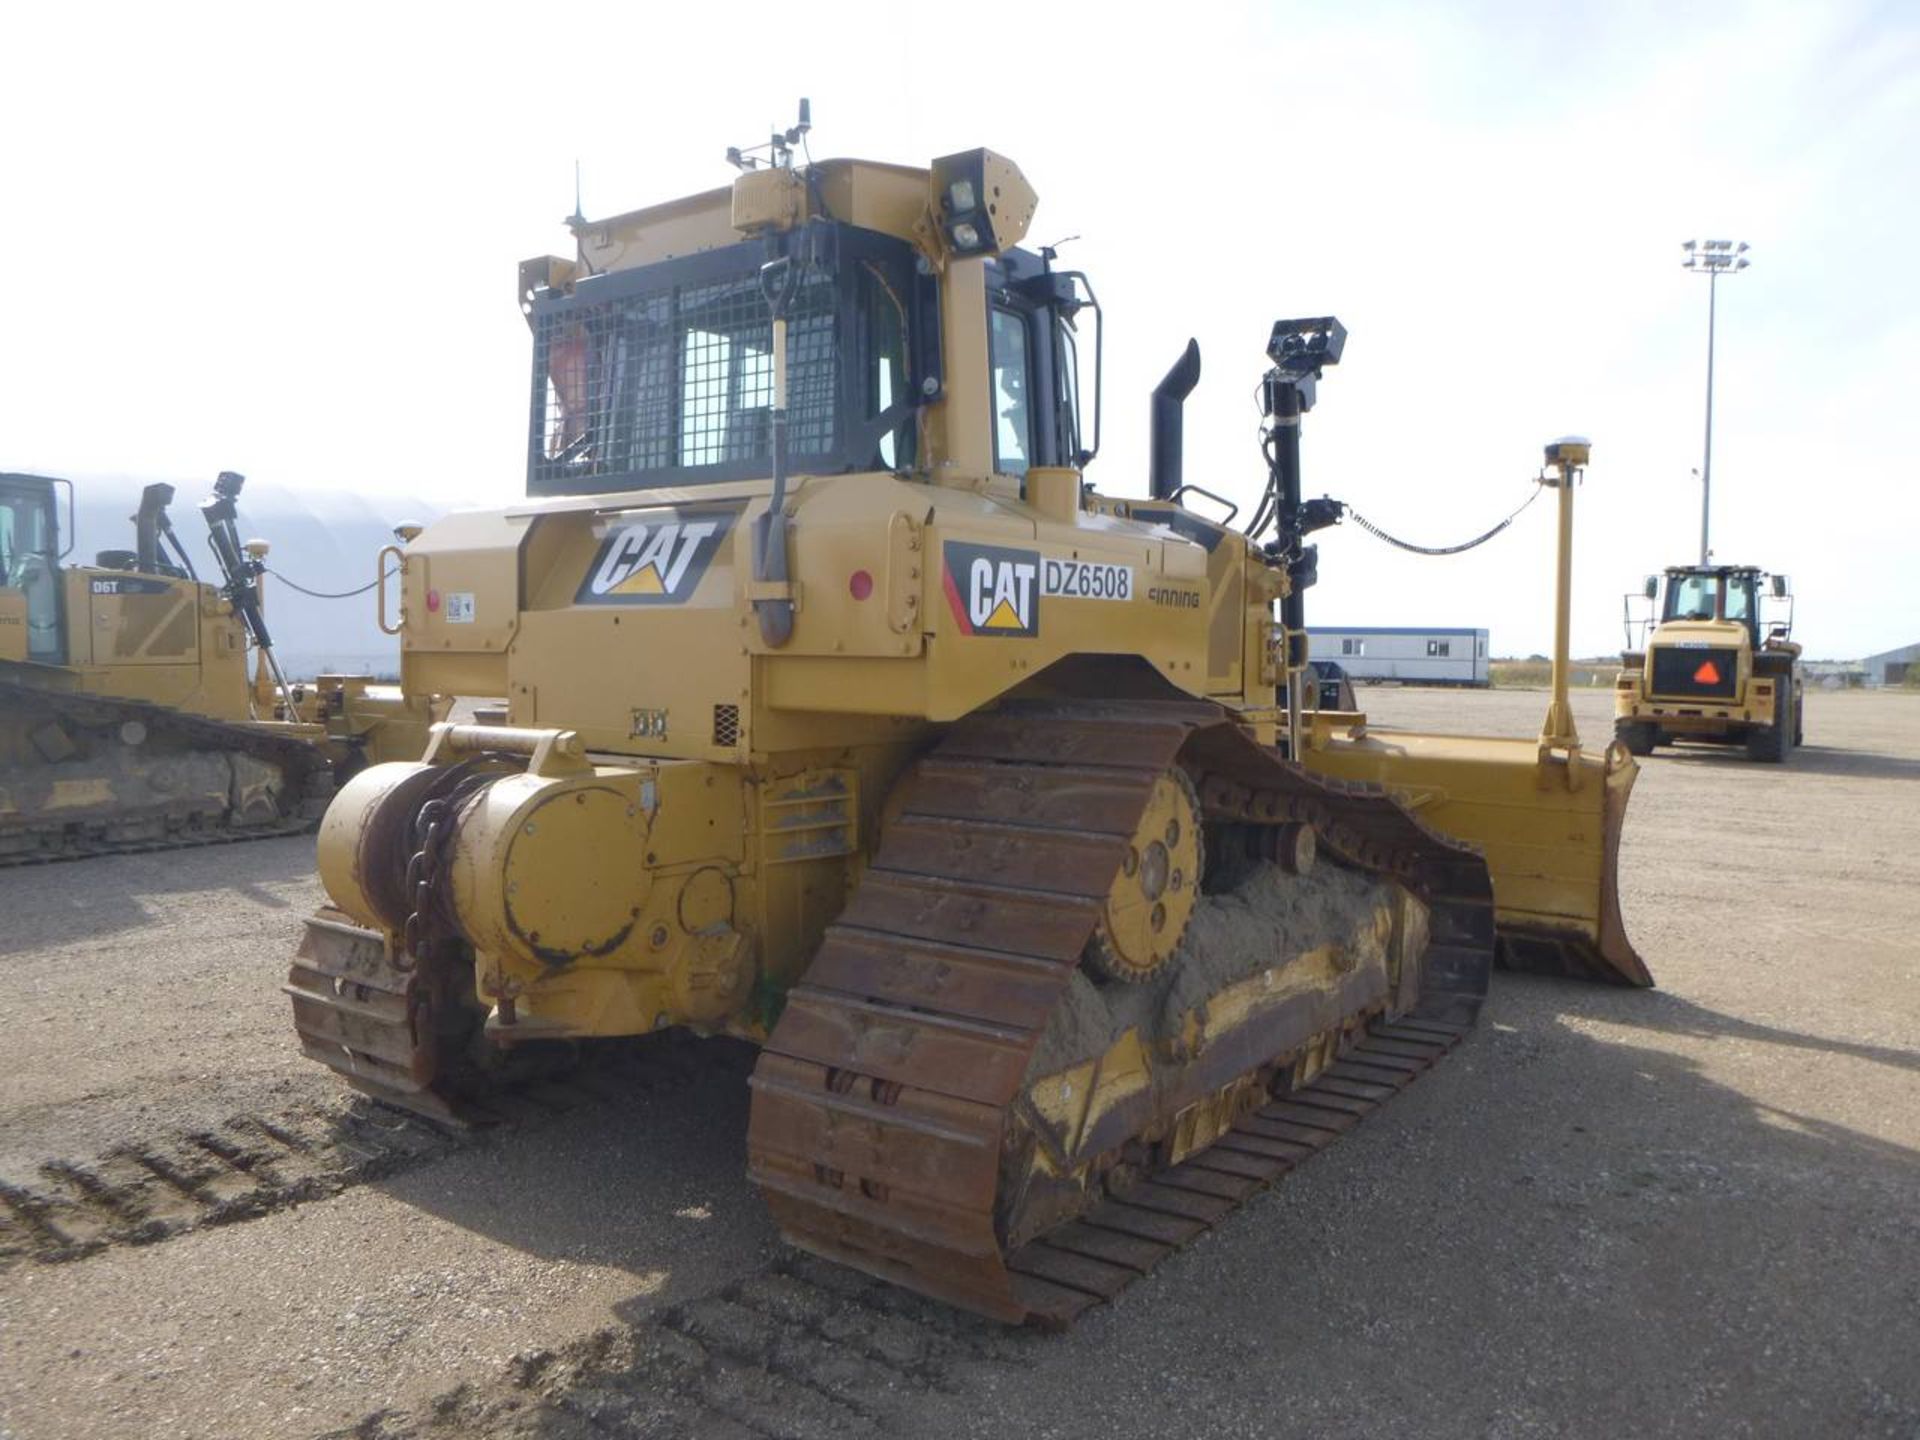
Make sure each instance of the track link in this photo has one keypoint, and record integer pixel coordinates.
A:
(884, 1101)
(1125, 1237)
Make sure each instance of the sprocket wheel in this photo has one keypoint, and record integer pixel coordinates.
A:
(1145, 915)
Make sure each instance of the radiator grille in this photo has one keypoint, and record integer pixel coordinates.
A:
(1703, 674)
(726, 726)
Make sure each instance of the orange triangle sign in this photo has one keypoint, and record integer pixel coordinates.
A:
(1707, 674)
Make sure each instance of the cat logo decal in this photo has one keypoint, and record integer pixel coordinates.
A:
(655, 558)
(992, 590)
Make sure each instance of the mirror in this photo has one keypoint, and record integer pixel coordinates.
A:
(1653, 586)
(1780, 586)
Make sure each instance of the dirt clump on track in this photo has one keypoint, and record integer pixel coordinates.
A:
(1260, 920)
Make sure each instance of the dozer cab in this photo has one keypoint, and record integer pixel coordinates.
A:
(127, 716)
(844, 716)
(1714, 668)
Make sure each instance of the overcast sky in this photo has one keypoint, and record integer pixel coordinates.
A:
(285, 242)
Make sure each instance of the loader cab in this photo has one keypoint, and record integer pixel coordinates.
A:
(1721, 594)
(30, 570)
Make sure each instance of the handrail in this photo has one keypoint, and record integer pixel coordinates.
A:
(380, 591)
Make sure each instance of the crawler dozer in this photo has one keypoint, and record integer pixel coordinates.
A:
(1713, 669)
(127, 718)
(842, 715)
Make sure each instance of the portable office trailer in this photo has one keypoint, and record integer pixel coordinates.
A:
(1417, 655)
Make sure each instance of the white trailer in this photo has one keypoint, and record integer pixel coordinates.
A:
(1416, 655)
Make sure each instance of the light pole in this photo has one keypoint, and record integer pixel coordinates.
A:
(1712, 258)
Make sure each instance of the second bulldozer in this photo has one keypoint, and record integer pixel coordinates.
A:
(843, 716)
(127, 717)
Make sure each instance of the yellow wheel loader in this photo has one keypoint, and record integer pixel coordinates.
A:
(843, 715)
(127, 719)
(1714, 669)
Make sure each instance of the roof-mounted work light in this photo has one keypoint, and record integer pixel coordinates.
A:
(981, 203)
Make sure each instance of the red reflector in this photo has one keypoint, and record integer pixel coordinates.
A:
(1707, 674)
(860, 584)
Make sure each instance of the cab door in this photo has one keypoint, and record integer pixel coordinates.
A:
(29, 572)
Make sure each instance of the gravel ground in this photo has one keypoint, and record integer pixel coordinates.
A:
(1683, 1211)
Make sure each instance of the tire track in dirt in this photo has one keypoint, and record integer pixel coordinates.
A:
(254, 1164)
(802, 1350)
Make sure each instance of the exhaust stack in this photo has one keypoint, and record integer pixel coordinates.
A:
(147, 525)
(1168, 433)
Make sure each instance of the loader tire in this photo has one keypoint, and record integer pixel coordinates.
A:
(1639, 736)
(1772, 744)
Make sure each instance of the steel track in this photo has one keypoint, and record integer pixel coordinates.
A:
(885, 1100)
(307, 772)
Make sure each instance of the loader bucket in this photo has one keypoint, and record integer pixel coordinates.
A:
(1550, 831)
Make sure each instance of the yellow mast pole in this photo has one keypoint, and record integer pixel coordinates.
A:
(1566, 458)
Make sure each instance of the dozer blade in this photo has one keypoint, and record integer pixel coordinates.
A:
(1550, 832)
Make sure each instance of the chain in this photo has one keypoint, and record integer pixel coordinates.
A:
(1373, 529)
(433, 827)
(331, 594)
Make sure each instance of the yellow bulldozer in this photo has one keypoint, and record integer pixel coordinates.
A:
(1713, 669)
(843, 715)
(128, 720)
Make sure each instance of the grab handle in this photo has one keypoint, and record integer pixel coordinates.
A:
(380, 592)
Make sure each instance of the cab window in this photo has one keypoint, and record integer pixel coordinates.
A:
(1690, 597)
(885, 317)
(1013, 427)
(24, 530)
(1066, 372)
(1739, 599)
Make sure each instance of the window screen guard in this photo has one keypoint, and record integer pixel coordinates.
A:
(664, 374)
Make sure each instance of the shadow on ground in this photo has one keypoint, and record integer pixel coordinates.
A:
(1552, 1230)
(72, 901)
(648, 1177)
